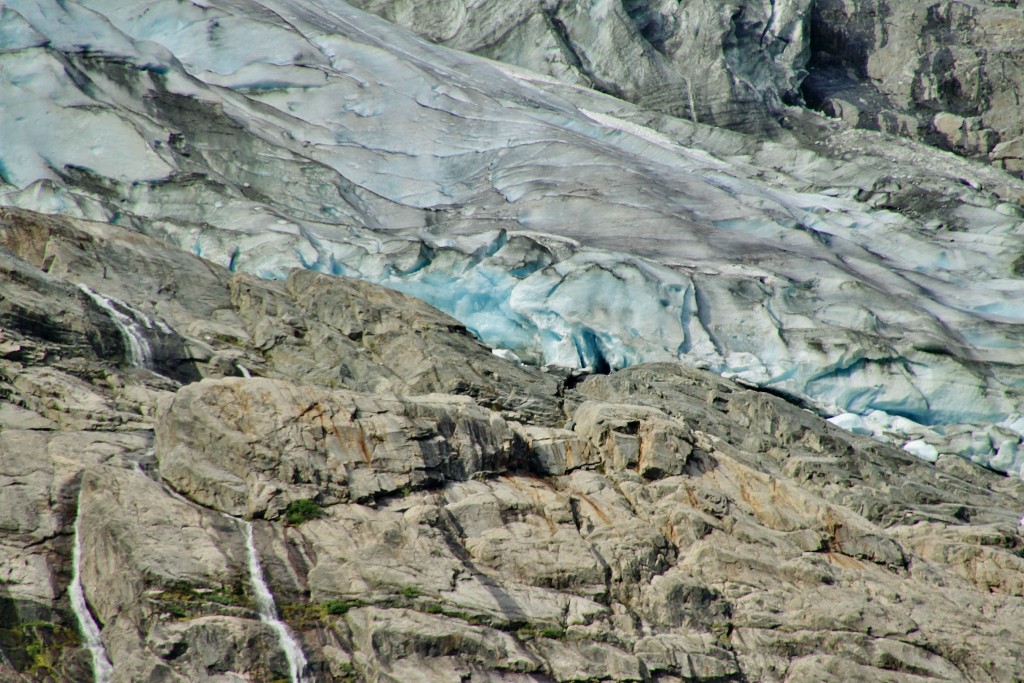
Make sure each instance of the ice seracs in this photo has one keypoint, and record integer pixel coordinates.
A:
(556, 223)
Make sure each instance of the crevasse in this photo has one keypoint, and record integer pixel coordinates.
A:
(555, 223)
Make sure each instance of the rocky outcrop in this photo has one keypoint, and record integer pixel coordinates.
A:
(280, 442)
(556, 222)
(947, 73)
(422, 509)
(352, 334)
(729, 64)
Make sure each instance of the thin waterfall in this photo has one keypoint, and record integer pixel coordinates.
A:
(139, 352)
(268, 612)
(261, 592)
(689, 99)
(102, 669)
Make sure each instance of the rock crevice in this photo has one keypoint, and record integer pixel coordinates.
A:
(426, 510)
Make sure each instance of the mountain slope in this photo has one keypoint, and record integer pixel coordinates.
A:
(865, 279)
(657, 523)
(228, 453)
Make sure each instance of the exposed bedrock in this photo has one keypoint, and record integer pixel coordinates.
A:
(654, 524)
(731, 64)
(876, 281)
(947, 73)
(422, 508)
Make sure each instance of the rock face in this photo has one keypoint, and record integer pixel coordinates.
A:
(425, 510)
(730, 64)
(947, 73)
(176, 436)
(876, 280)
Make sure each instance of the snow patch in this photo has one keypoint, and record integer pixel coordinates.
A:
(922, 449)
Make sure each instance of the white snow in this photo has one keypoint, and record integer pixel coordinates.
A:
(922, 449)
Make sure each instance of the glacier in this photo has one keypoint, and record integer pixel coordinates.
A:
(560, 225)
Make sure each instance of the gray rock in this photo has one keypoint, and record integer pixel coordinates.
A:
(369, 338)
(126, 521)
(674, 526)
(398, 643)
(730, 65)
(278, 442)
(631, 437)
(946, 72)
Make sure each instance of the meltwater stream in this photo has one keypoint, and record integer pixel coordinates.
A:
(101, 666)
(139, 351)
(268, 612)
(261, 592)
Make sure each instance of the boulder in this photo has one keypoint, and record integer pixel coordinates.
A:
(273, 443)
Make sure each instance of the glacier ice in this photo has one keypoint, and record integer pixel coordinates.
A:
(922, 449)
(558, 224)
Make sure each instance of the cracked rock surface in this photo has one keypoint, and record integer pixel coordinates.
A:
(472, 518)
(947, 73)
(874, 278)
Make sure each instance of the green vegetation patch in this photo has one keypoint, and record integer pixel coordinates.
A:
(36, 647)
(302, 615)
(537, 631)
(347, 674)
(185, 601)
(300, 511)
(410, 592)
(339, 607)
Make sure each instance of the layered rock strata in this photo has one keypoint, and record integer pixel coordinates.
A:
(947, 73)
(425, 510)
(874, 279)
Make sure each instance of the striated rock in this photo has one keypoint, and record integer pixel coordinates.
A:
(405, 645)
(692, 655)
(181, 608)
(479, 519)
(731, 64)
(1010, 154)
(796, 262)
(126, 519)
(948, 72)
(278, 442)
(356, 335)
